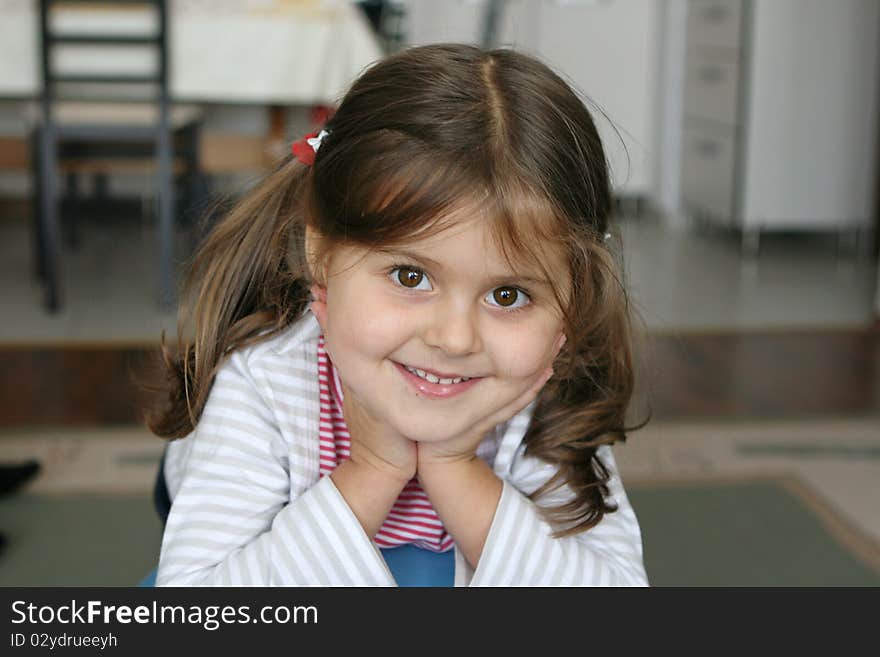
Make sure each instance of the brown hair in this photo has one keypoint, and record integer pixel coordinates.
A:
(416, 135)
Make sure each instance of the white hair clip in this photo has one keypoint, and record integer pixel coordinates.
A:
(606, 237)
(304, 150)
(315, 142)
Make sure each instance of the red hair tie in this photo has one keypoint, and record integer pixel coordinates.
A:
(305, 149)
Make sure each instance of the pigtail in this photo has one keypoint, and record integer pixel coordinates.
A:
(587, 403)
(247, 282)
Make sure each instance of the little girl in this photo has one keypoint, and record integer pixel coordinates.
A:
(408, 352)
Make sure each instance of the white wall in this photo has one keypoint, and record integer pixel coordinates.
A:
(670, 103)
(607, 49)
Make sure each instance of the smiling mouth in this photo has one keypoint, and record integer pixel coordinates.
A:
(433, 376)
(435, 385)
(430, 377)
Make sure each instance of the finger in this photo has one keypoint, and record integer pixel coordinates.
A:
(532, 392)
(520, 402)
(559, 344)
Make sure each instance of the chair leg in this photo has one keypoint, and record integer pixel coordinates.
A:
(166, 221)
(199, 187)
(101, 184)
(38, 238)
(70, 222)
(197, 207)
(188, 185)
(49, 219)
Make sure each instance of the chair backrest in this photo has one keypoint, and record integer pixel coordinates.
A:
(105, 52)
(91, 96)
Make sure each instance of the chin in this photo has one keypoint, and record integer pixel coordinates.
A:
(428, 431)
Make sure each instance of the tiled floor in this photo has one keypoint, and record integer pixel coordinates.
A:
(110, 287)
(679, 280)
(687, 279)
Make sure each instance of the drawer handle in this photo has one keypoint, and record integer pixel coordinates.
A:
(707, 148)
(711, 74)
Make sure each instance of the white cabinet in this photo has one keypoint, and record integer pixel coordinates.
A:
(444, 21)
(606, 48)
(780, 114)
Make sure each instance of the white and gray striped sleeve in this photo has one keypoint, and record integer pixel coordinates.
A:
(520, 550)
(235, 520)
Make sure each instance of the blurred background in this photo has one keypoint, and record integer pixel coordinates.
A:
(743, 142)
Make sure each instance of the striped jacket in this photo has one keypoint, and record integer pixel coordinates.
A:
(250, 508)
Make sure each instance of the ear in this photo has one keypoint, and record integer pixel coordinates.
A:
(318, 274)
(560, 341)
(311, 247)
(319, 304)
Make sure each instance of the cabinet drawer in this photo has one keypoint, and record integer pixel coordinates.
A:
(714, 23)
(707, 172)
(711, 88)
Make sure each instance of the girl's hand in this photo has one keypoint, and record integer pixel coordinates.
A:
(463, 447)
(374, 443)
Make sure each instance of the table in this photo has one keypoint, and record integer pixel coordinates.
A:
(283, 52)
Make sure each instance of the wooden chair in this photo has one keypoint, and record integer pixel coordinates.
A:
(98, 124)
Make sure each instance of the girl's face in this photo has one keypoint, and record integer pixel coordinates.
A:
(448, 305)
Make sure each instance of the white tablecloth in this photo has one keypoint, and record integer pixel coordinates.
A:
(228, 51)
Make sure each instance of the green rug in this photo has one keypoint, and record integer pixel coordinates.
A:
(765, 532)
(768, 532)
(78, 540)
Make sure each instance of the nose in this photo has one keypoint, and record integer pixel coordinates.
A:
(453, 328)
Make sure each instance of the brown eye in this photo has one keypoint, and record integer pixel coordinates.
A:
(510, 298)
(505, 296)
(409, 277)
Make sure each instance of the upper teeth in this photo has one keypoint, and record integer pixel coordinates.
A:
(422, 374)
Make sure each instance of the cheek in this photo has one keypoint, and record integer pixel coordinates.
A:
(370, 327)
(523, 353)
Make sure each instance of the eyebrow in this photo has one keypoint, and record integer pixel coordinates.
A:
(430, 262)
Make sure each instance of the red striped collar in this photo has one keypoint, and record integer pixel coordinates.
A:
(412, 519)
